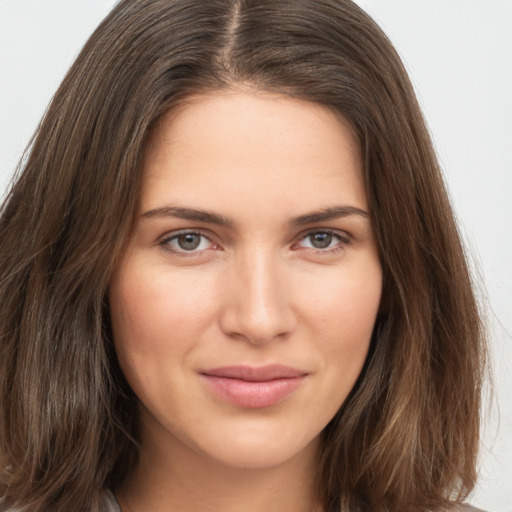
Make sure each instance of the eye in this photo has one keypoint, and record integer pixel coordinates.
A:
(188, 242)
(323, 241)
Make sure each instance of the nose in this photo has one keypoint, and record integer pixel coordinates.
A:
(257, 303)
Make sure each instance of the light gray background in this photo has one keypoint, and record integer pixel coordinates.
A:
(459, 55)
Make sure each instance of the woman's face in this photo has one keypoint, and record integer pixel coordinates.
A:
(243, 308)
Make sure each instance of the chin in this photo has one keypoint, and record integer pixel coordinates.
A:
(265, 451)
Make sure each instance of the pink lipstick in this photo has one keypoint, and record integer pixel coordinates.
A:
(253, 387)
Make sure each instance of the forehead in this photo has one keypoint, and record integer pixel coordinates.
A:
(254, 147)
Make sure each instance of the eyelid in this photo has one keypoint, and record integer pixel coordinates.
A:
(343, 237)
(164, 240)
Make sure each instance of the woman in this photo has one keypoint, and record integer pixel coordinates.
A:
(231, 278)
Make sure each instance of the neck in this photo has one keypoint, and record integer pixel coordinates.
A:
(173, 477)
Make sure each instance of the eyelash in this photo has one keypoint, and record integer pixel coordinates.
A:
(343, 240)
(165, 243)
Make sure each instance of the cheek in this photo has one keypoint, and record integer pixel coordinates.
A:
(157, 317)
(341, 317)
(346, 303)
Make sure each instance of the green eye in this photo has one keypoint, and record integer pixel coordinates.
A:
(321, 240)
(324, 241)
(189, 241)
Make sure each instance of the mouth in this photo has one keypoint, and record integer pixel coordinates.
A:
(253, 387)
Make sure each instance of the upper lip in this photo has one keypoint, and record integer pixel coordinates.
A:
(255, 374)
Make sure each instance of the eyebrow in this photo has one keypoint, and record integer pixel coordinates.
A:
(333, 212)
(189, 214)
(330, 213)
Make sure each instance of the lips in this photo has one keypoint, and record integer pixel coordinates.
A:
(253, 387)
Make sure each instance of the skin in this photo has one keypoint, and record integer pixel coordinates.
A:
(256, 291)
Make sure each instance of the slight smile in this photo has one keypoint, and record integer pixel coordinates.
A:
(253, 387)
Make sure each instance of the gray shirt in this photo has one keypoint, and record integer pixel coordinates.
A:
(109, 504)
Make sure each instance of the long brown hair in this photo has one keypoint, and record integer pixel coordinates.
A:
(407, 436)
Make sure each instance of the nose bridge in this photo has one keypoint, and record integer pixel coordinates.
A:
(259, 309)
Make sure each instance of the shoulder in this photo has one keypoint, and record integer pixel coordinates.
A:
(108, 502)
(468, 508)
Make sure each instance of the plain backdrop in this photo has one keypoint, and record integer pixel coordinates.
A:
(459, 55)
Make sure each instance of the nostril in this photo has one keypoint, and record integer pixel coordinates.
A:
(256, 326)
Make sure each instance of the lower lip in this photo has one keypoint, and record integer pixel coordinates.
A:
(251, 394)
